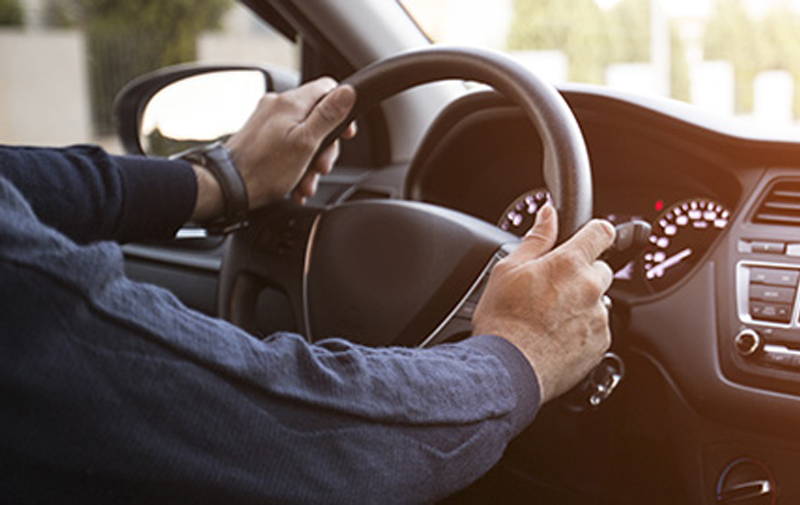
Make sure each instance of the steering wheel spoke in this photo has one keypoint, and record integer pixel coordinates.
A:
(269, 254)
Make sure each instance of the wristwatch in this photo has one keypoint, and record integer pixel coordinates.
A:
(217, 159)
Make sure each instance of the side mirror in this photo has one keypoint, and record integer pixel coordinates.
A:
(176, 108)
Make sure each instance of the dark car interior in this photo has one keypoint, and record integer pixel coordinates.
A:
(706, 318)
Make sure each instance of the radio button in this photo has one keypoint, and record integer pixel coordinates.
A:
(779, 313)
(772, 294)
(774, 276)
(793, 249)
(767, 247)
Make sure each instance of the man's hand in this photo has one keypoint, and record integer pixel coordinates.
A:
(549, 302)
(278, 142)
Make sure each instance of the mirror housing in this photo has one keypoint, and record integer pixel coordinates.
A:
(175, 108)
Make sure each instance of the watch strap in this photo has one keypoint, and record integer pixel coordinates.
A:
(217, 159)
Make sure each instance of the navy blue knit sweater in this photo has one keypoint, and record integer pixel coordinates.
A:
(114, 392)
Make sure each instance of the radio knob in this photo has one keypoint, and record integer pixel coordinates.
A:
(747, 342)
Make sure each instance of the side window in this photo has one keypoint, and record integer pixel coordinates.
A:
(62, 62)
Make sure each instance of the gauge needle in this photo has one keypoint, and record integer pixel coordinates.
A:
(658, 270)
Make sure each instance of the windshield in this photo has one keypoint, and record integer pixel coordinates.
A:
(733, 57)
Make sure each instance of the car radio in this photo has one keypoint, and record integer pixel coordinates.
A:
(767, 303)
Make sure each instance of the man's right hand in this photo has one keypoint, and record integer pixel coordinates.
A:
(548, 302)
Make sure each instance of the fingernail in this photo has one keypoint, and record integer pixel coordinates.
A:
(612, 230)
(545, 213)
(344, 99)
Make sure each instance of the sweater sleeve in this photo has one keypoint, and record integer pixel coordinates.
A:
(89, 195)
(118, 393)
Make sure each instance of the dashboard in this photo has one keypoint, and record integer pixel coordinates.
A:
(707, 317)
(487, 163)
(681, 234)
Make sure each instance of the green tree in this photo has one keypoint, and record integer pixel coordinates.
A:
(593, 38)
(128, 39)
(779, 36)
(630, 31)
(753, 45)
(173, 25)
(731, 36)
(577, 27)
(11, 13)
(60, 13)
(680, 79)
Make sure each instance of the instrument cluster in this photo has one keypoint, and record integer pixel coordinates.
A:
(683, 231)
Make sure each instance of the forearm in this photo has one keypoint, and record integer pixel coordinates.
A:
(416, 424)
(90, 195)
(483, 377)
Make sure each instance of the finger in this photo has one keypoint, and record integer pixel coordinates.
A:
(313, 91)
(351, 131)
(330, 112)
(542, 236)
(325, 161)
(306, 188)
(592, 240)
(604, 273)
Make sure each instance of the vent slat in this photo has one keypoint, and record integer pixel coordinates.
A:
(783, 193)
(780, 205)
(778, 219)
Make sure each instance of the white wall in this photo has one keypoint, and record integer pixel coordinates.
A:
(552, 66)
(638, 78)
(714, 86)
(773, 103)
(44, 95)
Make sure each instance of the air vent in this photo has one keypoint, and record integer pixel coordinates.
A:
(781, 205)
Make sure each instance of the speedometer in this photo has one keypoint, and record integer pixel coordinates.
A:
(681, 235)
(521, 214)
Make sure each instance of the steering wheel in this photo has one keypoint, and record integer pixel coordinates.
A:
(395, 272)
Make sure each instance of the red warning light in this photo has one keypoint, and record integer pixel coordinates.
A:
(659, 205)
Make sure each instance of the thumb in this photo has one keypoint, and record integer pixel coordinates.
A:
(330, 112)
(542, 236)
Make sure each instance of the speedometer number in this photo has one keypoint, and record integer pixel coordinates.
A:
(680, 236)
(521, 214)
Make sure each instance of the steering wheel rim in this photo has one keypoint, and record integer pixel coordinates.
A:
(566, 166)
(566, 171)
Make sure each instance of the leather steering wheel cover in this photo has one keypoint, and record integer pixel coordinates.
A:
(566, 165)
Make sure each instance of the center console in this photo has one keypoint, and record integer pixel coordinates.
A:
(760, 340)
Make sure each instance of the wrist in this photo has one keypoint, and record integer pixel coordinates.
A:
(222, 201)
(209, 205)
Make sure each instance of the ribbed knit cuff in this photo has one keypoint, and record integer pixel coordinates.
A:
(159, 197)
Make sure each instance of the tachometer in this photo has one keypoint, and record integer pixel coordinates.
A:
(681, 235)
(521, 214)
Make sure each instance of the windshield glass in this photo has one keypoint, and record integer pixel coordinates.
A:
(733, 57)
